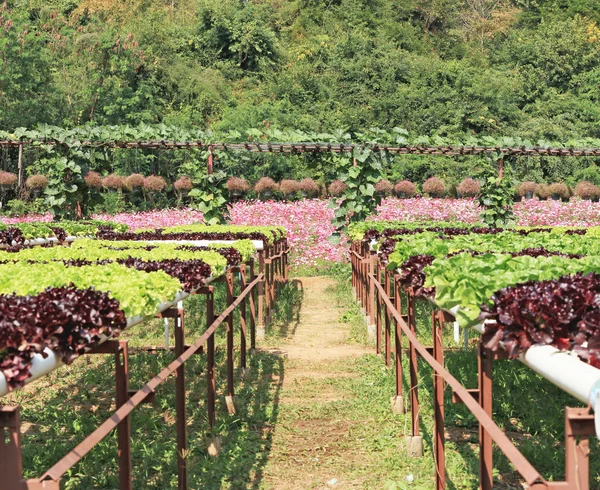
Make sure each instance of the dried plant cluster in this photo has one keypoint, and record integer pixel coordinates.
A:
(36, 181)
(405, 188)
(183, 184)
(384, 186)
(154, 183)
(468, 188)
(7, 178)
(434, 187)
(337, 188)
(237, 184)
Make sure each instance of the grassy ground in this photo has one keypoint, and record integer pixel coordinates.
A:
(316, 422)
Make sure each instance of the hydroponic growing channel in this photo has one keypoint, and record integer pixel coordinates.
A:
(531, 293)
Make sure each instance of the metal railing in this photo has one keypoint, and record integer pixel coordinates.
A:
(378, 292)
(258, 293)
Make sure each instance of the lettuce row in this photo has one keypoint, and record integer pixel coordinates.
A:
(138, 292)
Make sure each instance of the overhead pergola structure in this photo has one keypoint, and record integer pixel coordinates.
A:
(317, 147)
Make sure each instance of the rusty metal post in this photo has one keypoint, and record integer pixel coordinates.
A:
(210, 159)
(252, 305)
(268, 266)
(230, 398)
(414, 381)
(180, 397)
(398, 399)
(124, 428)
(11, 463)
(378, 302)
(579, 424)
(388, 330)
(261, 296)
(371, 301)
(353, 266)
(243, 347)
(210, 358)
(486, 463)
(438, 404)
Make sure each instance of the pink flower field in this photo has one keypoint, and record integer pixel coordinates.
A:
(159, 218)
(428, 209)
(530, 212)
(309, 222)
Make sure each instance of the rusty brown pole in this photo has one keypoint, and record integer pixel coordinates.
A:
(388, 330)
(210, 159)
(486, 464)
(398, 339)
(579, 424)
(11, 463)
(268, 266)
(210, 358)
(371, 301)
(261, 293)
(229, 281)
(124, 428)
(501, 168)
(180, 405)
(438, 404)
(243, 347)
(378, 302)
(414, 381)
(252, 310)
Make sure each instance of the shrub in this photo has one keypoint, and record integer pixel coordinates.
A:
(288, 186)
(154, 183)
(237, 184)
(309, 186)
(113, 181)
(265, 184)
(527, 187)
(384, 186)
(183, 184)
(468, 188)
(434, 186)
(7, 178)
(405, 188)
(587, 190)
(337, 188)
(37, 181)
(93, 179)
(16, 208)
(544, 191)
(559, 189)
(134, 181)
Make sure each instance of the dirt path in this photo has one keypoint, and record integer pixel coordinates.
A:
(313, 446)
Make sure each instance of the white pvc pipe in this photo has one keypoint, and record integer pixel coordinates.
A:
(563, 369)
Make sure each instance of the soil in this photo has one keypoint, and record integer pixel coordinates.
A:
(312, 450)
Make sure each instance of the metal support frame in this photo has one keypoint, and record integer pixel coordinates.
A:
(243, 333)
(437, 320)
(486, 459)
(413, 368)
(211, 388)
(398, 343)
(127, 400)
(386, 316)
(579, 422)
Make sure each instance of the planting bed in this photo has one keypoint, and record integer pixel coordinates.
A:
(532, 293)
(61, 301)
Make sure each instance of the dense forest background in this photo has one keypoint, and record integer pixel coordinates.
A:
(448, 68)
(443, 67)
